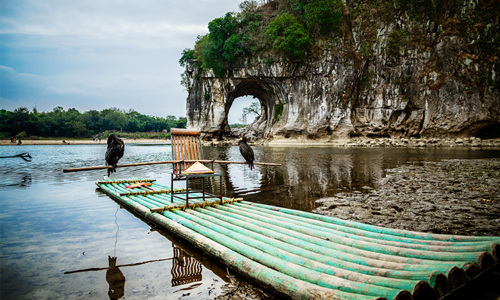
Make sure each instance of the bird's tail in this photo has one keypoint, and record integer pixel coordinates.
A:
(111, 170)
(251, 165)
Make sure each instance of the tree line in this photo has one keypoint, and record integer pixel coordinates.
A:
(22, 123)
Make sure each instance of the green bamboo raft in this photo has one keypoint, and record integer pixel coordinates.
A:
(310, 256)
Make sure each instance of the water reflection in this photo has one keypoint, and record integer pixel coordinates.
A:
(115, 279)
(307, 174)
(185, 269)
(68, 218)
(23, 180)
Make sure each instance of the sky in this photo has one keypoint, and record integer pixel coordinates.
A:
(98, 54)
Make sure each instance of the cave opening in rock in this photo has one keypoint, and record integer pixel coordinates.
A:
(489, 132)
(249, 106)
(244, 111)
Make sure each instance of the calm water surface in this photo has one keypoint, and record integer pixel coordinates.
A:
(57, 232)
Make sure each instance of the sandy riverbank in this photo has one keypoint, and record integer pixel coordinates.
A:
(370, 142)
(354, 142)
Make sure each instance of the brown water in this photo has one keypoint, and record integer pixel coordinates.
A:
(57, 233)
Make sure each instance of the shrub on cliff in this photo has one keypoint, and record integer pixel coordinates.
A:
(220, 47)
(287, 34)
(284, 27)
(321, 17)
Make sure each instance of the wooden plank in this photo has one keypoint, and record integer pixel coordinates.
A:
(182, 131)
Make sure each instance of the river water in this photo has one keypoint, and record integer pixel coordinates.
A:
(60, 238)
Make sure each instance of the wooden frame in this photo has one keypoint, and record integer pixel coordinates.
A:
(186, 150)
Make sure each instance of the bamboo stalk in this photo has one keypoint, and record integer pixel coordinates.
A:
(282, 250)
(269, 245)
(120, 166)
(244, 162)
(387, 240)
(300, 245)
(378, 229)
(167, 162)
(269, 277)
(361, 245)
(237, 243)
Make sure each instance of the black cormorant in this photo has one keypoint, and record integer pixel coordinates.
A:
(115, 150)
(246, 151)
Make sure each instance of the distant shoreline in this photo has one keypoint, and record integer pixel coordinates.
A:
(354, 142)
(82, 142)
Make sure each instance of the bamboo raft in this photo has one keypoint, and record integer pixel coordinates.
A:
(310, 256)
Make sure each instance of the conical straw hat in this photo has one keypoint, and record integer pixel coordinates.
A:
(197, 168)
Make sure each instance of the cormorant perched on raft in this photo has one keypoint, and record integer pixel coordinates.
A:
(246, 151)
(115, 150)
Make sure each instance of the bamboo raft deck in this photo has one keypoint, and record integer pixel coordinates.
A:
(310, 256)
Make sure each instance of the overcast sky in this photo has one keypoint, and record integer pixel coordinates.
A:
(97, 54)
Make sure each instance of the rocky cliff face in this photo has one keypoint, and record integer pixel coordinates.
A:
(400, 78)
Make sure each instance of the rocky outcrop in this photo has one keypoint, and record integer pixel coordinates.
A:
(369, 84)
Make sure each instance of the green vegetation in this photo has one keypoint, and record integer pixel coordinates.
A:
(321, 17)
(288, 28)
(253, 110)
(22, 123)
(278, 111)
(358, 32)
(287, 34)
(237, 125)
(397, 42)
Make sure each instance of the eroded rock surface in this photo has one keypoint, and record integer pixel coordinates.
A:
(433, 81)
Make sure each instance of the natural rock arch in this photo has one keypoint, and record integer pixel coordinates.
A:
(268, 95)
(210, 99)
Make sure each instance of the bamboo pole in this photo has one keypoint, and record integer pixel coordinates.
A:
(319, 229)
(378, 229)
(237, 243)
(260, 238)
(281, 283)
(244, 163)
(297, 256)
(300, 245)
(342, 241)
(167, 162)
(120, 166)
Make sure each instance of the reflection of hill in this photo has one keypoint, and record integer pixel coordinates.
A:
(306, 174)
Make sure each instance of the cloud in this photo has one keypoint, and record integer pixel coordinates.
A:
(95, 54)
(12, 81)
(62, 90)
